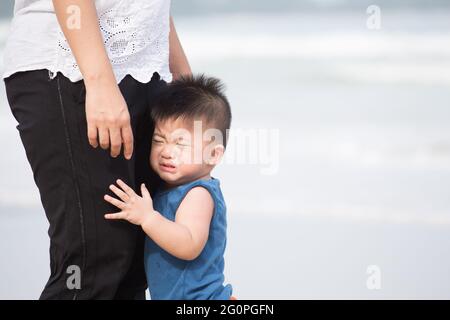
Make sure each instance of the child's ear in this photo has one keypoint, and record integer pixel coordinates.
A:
(216, 154)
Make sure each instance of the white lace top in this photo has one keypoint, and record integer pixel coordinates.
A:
(135, 34)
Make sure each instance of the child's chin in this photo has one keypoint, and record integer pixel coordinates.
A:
(168, 177)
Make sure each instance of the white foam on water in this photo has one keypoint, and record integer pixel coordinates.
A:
(284, 208)
(388, 148)
(399, 53)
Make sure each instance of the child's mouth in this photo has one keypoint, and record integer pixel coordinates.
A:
(166, 167)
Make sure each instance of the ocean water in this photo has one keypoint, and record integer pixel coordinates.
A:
(352, 146)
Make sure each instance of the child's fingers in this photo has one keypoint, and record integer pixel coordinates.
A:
(122, 195)
(115, 216)
(144, 191)
(114, 202)
(125, 187)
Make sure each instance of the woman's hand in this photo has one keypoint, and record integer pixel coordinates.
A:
(106, 111)
(108, 119)
(135, 209)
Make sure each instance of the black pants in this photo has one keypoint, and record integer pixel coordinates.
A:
(90, 257)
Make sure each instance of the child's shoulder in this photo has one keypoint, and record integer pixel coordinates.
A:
(204, 192)
(197, 199)
(202, 189)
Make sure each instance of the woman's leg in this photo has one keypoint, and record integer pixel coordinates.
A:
(143, 174)
(72, 178)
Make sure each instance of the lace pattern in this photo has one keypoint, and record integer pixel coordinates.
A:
(136, 38)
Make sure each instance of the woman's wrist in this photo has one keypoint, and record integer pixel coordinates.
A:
(100, 74)
(101, 78)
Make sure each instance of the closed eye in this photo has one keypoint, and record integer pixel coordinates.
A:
(182, 144)
(157, 141)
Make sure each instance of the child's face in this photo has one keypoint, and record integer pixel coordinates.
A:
(177, 156)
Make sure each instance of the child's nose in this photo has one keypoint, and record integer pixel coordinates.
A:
(167, 152)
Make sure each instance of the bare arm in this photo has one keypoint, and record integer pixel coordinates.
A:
(107, 115)
(183, 238)
(186, 237)
(179, 64)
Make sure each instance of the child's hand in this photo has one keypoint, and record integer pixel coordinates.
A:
(135, 209)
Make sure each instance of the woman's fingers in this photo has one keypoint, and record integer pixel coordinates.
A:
(122, 195)
(109, 121)
(116, 141)
(119, 204)
(127, 138)
(92, 134)
(104, 137)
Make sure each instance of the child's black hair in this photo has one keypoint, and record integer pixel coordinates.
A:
(195, 98)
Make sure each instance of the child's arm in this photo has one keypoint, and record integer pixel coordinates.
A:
(186, 237)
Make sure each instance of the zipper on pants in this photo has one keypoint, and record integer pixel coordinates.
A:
(77, 186)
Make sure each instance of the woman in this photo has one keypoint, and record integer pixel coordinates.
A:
(80, 77)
